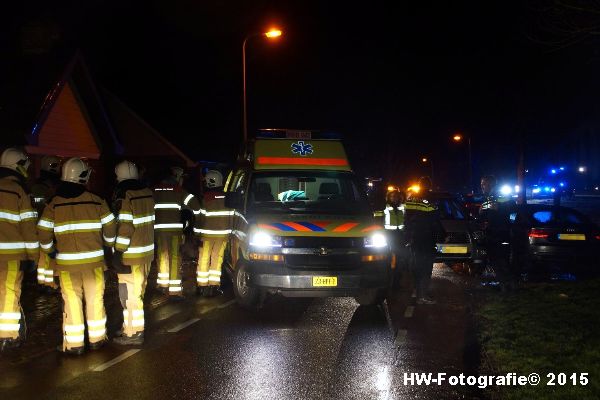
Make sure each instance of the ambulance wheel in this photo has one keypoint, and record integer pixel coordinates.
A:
(371, 297)
(245, 295)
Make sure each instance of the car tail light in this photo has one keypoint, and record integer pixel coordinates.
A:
(597, 237)
(538, 233)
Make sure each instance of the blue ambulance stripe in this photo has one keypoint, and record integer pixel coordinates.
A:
(311, 226)
(283, 227)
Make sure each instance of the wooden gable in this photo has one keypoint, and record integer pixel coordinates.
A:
(67, 131)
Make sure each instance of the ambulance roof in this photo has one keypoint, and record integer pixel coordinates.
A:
(275, 149)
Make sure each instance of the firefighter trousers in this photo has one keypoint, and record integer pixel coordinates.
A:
(169, 258)
(11, 277)
(45, 270)
(210, 260)
(75, 287)
(131, 293)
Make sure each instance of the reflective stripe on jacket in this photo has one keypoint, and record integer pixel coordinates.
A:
(135, 226)
(18, 236)
(216, 219)
(77, 228)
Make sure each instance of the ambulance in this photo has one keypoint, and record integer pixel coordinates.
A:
(301, 225)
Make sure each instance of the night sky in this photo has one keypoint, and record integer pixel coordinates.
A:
(397, 79)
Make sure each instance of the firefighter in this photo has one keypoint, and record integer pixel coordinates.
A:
(18, 242)
(422, 225)
(42, 190)
(74, 227)
(494, 214)
(133, 204)
(170, 199)
(213, 231)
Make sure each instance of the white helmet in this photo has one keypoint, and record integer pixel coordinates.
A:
(16, 160)
(51, 164)
(126, 170)
(76, 170)
(213, 179)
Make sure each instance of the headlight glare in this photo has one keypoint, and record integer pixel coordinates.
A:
(376, 240)
(262, 239)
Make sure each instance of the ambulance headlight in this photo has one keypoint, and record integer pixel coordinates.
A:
(377, 240)
(261, 239)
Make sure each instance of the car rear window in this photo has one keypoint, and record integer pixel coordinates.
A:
(558, 217)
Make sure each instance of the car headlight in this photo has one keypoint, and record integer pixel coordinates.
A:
(262, 239)
(376, 240)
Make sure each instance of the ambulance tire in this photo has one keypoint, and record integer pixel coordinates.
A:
(246, 296)
(371, 297)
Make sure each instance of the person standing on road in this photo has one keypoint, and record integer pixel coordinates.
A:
(214, 231)
(393, 222)
(170, 200)
(42, 190)
(18, 243)
(74, 227)
(133, 204)
(422, 225)
(494, 214)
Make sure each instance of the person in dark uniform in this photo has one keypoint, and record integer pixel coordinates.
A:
(422, 225)
(494, 215)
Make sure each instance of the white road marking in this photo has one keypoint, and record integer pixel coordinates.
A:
(168, 315)
(410, 310)
(114, 361)
(400, 337)
(183, 325)
(224, 305)
(414, 294)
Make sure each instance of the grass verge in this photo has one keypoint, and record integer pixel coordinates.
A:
(543, 328)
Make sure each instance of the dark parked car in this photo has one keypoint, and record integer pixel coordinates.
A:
(545, 236)
(461, 242)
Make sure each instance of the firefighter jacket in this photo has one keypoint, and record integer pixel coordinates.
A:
(43, 189)
(170, 200)
(133, 204)
(76, 224)
(422, 224)
(18, 236)
(216, 221)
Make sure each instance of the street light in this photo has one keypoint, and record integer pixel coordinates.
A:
(271, 34)
(459, 138)
(426, 160)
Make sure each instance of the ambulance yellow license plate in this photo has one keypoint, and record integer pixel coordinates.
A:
(324, 281)
(571, 236)
(455, 250)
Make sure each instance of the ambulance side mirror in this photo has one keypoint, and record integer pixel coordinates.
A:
(234, 200)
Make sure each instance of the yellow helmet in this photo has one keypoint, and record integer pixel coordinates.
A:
(16, 160)
(76, 170)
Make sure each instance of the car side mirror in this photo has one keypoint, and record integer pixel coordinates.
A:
(234, 200)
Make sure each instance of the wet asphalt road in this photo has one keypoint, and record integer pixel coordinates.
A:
(291, 349)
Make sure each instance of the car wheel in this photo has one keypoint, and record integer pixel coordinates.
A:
(245, 295)
(371, 297)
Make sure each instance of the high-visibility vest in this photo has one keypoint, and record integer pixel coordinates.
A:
(134, 209)
(18, 236)
(393, 217)
(216, 219)
(78, 228)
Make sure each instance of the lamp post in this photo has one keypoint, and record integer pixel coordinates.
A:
(271, 34)
(426, 160)
(459, 138)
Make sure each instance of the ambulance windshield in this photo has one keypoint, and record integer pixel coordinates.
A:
(307, 192)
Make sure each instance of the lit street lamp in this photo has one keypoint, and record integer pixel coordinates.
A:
(458, 138)
(271, 34)
(426, 160)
